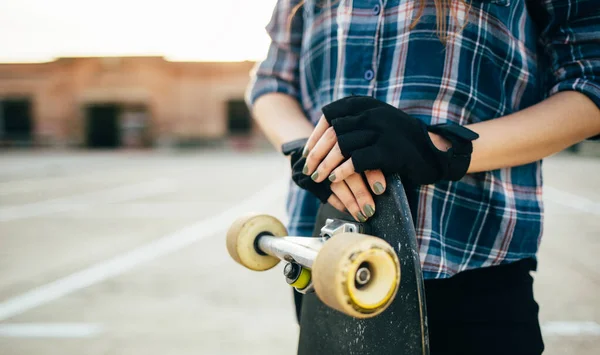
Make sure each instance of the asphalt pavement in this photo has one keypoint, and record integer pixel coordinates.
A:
(124, 253)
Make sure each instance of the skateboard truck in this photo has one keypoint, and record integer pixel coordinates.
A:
(354, 273)
(300, 252)
(335, 226)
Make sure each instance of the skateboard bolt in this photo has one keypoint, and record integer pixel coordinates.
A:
(363, 275)
(291, 271)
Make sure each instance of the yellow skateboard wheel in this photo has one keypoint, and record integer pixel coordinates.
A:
(241, 240)
(335, 274)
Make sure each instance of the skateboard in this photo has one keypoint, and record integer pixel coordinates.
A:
(362, 284)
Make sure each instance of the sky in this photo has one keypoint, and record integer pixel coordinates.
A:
(180, 30)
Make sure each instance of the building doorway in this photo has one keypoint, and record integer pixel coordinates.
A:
(102, 126)
(16, 123)
(239, 121)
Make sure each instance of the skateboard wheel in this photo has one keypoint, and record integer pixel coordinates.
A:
(242, 236)
(356, 274)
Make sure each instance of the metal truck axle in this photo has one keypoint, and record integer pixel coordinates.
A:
(300, 250)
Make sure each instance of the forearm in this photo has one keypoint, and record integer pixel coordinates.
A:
(534, 133)
(281, 118)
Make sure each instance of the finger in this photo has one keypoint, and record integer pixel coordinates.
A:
(361, 193)
(336, 203)
(316, 134)
(376, 181)
(368, 158)
(320, 151)
(367, 119)
(355, 140)
(350, 106)
(342, 191)
(331, 161)
(343, 171)
(349, 124)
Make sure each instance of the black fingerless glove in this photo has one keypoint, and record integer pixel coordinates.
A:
(380, 136)
(350, 106)
(294, 149)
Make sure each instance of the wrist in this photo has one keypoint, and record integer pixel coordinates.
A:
(457, 154)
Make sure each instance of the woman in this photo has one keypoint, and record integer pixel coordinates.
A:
(369, 82)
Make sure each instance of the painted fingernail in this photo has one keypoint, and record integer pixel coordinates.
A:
(332, 177)
(361, 217)
(305, 152)
(378, 187)
(369, 210)
(315, 175)
(305, 170)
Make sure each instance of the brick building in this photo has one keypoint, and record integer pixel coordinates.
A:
(122, 101)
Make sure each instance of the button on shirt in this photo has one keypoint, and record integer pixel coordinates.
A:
(376, 9)
(509, 55)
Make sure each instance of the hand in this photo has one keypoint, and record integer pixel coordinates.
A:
(294, 150)
(322, 156)
(380, 136)
(340, 195)
(325, 153)
(353, 195)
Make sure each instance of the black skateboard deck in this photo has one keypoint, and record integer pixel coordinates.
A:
(402, 328)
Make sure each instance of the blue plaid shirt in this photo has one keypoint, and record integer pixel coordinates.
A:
(510, 55)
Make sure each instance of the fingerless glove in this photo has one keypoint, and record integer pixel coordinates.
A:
(377, 135)
(294, 149)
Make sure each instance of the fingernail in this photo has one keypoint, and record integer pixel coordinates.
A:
(369, 210)
(305, 170)
(305, 152)
(315, 175)
(361, 217)
(332, 177)
(378, 187)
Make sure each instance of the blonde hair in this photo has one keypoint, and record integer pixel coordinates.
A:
(442, 7)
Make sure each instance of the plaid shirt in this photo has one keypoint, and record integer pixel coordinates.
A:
(510, 55)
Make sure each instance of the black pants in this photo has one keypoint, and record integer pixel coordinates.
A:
(488, 311)
(485, 311)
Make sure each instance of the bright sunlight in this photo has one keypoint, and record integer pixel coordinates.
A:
(180, 30)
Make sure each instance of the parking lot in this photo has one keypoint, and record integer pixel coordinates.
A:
(123, 252)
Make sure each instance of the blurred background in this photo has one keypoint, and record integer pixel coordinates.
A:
(126, 150)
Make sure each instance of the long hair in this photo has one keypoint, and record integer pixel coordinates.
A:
(442, 7)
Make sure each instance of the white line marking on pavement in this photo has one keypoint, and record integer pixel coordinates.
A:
(571, 200)
(122, 263)
(50, 330)
(4, 191)
(571, 328)
(64, 204)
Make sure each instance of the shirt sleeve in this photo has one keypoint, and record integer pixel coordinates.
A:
(570, 37)
(279, 71)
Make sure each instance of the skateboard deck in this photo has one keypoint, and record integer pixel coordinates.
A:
(402, 328)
